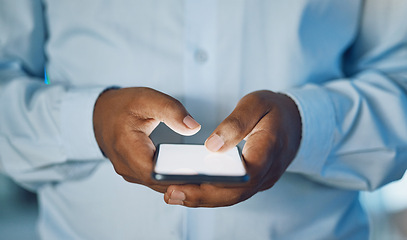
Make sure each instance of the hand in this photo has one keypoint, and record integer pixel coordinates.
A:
(271, 124)
(124, 118)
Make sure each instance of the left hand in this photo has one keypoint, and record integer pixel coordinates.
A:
(271, 124)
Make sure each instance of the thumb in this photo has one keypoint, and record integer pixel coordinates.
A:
(173, 114)
(248, 112)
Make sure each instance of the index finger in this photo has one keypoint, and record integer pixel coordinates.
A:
(248, 112)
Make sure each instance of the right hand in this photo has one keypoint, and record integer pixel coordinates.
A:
(123, 120)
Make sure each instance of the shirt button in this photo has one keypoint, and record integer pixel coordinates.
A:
(201, 56)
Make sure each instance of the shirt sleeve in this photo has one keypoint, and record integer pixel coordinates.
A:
(46, 130)
(355, 129)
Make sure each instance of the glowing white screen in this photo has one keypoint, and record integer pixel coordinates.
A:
(184, 159)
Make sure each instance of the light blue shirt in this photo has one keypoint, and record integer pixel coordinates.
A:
(344, 62)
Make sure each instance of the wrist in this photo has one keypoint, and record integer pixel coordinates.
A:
(96, 115)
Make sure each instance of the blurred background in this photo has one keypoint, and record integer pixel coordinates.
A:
(18, 212)
(387, 209)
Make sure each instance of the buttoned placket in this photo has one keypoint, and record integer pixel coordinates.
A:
(200, 89)
(200, 81)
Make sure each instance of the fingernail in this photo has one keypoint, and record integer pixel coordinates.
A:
(176, 198)
(190, 122)
(177, 195)
(214, 143)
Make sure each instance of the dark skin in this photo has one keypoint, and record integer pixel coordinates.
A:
(269, 122)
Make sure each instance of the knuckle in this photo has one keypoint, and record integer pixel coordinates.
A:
(172, 105)
(237, 126)
(194, 200)
(145, 89)
(255, 98)
(259, 102)
(128, 179)
(120, 170)
(262, 96)
(144, 93)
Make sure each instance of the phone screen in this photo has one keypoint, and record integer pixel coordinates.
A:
(186, 163)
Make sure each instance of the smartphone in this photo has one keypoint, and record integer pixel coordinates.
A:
(189, 163)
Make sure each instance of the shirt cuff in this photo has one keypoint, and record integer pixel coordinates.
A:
(77, 124)
(318, 124)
